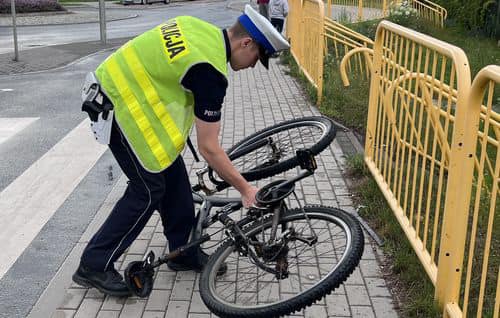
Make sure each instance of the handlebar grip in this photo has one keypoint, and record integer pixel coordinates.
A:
(212, 179)
(237, 205)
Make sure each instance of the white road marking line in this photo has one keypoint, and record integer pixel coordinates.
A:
(6, 90)
(11, 126)
(31, 200)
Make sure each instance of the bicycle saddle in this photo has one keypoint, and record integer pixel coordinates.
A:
(274, 192)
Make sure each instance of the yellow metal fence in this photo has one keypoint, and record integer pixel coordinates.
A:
(430, 11)
(363, 9)
(314, 35)
(479, 280)
(305, 25)
(413, 98)
(342, 43)
(434, 151)
(370, 9)
(432, 145)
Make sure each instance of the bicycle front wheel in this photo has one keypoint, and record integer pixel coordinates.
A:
(273, 149)
(314, 271)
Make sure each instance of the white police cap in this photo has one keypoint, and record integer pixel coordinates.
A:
(263, 32)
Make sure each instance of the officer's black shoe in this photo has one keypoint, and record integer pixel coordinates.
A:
(193, 263)
(110, 282)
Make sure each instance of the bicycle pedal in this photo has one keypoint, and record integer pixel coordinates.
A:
(306, 160)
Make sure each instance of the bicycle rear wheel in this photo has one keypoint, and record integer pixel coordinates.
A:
(246, 290)
(273, 149)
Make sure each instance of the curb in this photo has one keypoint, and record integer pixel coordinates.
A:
(355, 142)
(55, 291)
(98, 48)
(358, 149)
(55, 68)
(70, 23)
(138, 6)
(111, 7)
(239, 5)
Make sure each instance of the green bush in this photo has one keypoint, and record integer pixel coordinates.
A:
(367, 28)
(402, 14)
(23, 6)
(478, 16)
(407, 16)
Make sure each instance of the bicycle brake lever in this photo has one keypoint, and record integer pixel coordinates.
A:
(201, 183)
(230, 207)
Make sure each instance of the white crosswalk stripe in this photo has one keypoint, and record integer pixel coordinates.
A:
(31, 200)
(11, 126)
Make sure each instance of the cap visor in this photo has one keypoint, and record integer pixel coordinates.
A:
(264, 59)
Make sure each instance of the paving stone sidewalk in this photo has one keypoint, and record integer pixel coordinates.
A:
(255, 99)
(50, 57)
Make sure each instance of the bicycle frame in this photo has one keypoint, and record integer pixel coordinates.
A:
(221, 185)
(306, 162)
(206, 205)
(269, 197)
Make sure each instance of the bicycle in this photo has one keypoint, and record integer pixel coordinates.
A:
(277, 260)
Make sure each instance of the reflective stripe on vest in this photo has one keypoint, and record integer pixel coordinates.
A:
(143, 77)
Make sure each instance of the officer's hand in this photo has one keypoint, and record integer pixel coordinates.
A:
(248, 198)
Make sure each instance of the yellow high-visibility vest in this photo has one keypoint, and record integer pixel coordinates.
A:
(143, 81)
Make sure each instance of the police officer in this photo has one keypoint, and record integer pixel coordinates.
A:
(160, 84)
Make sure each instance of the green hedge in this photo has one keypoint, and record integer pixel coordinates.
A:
(482, 16)
(23, 6)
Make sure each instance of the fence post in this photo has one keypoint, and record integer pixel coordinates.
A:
(375, 93)
(384, 8)
(321, 51)
(360, 10)
(458, 189)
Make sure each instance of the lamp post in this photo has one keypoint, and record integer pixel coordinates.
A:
(102, 20)
(13, 10)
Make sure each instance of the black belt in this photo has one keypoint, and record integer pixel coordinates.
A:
(94, 108)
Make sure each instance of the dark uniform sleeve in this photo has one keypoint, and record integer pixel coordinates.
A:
(209, 89)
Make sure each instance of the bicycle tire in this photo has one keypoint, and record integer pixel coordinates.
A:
(348, 262)
(324, 124)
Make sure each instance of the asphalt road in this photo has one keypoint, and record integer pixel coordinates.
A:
(53, 96)
(214, 11)
(52, 100)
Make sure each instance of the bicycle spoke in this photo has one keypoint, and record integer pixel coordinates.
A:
(254, 287)
(306, 265)
(287, 142)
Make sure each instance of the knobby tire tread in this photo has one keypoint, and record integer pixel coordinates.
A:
(293, 161)
(334, 280)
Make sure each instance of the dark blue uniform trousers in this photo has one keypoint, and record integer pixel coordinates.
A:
(169, 192)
